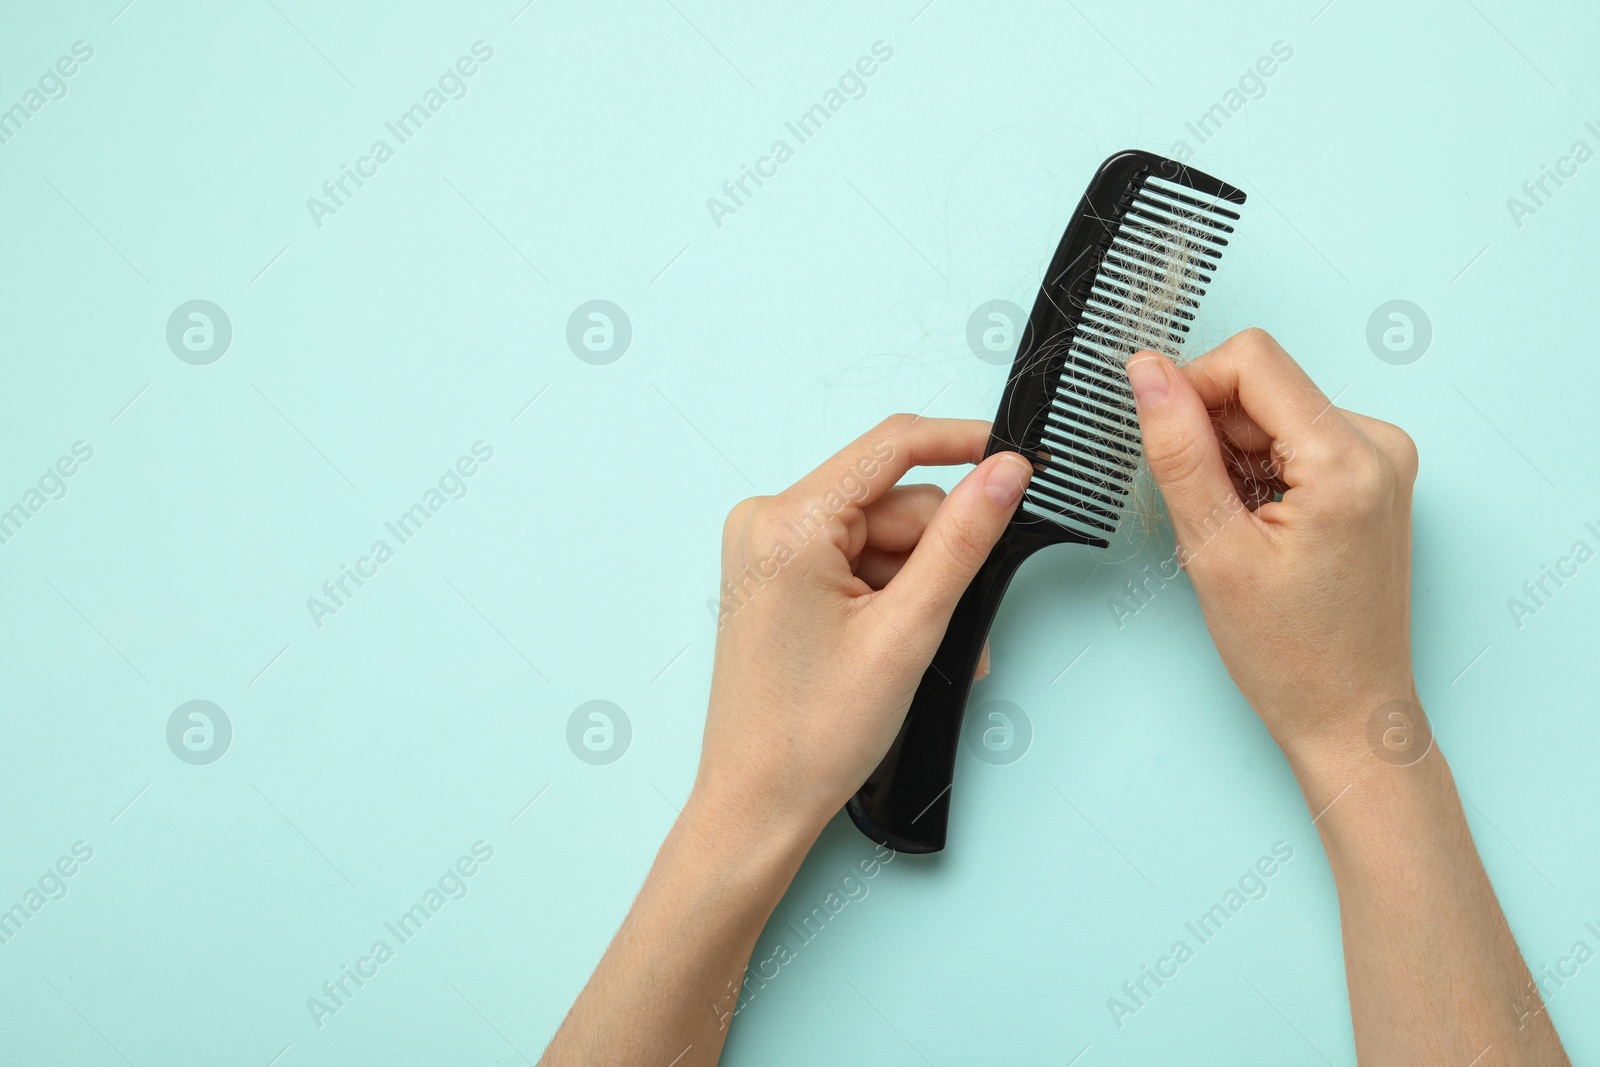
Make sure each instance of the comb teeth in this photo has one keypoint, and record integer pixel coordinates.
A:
(1149, 279)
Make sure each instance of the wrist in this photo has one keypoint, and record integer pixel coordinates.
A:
(1366, 796)
(1378, 738)
(1380, 825)
(763, 843)
(1343, 735)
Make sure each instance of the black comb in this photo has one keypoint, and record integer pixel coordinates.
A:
(1128, 274)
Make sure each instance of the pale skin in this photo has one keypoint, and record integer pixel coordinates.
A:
(1293, 521)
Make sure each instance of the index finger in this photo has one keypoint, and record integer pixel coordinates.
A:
(869, 466)
(1250, 372)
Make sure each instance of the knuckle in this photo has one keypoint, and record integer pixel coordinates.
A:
(1175, 458)
(769, 520)
(1401, 450)
(897, 425)
(1410, 460)
(1255, 337)
(738, 516)
(742, 516)
(965, 543)
(1255, 343)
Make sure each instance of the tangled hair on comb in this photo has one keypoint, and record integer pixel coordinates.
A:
(1158, 303)
(1152, 252)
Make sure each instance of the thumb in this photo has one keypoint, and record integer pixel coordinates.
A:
(1182, 449)
(958, 539)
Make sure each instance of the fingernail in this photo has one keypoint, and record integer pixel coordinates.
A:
(1149, 380)
(1007, 479)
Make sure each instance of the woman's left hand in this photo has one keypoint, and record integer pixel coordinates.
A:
(836, 593)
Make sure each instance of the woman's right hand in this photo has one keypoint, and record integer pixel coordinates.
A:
(1307, 597)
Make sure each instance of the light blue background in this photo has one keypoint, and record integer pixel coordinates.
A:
(369, 353)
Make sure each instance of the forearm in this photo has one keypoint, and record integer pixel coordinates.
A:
(1434, 973)
(667, 986)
